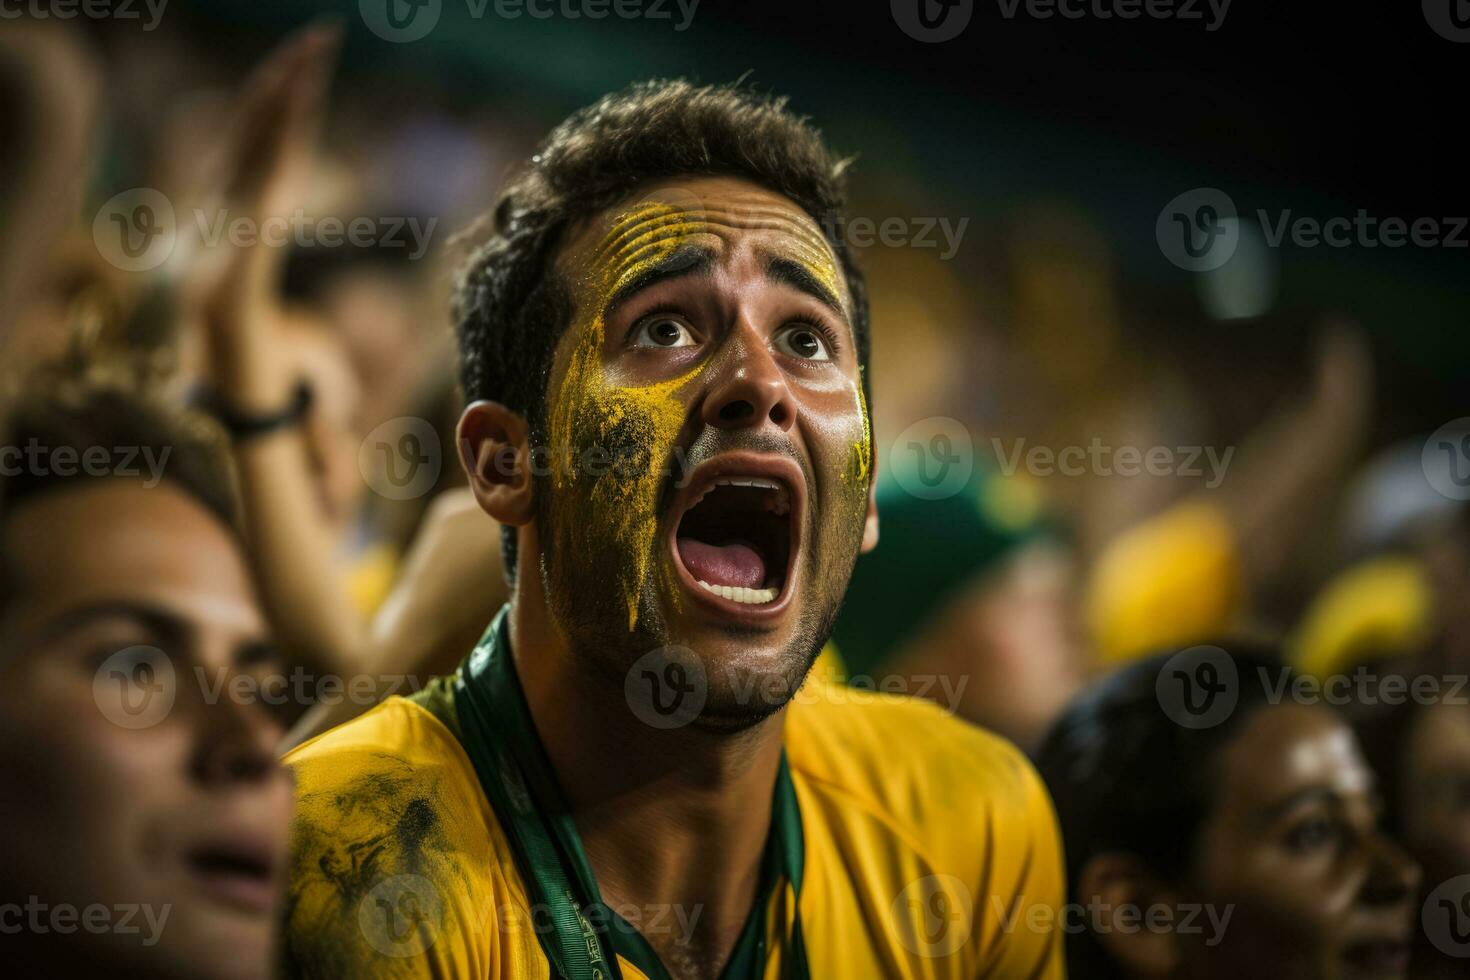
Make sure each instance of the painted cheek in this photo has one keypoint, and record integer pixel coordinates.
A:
(855, 466)
(612, 443)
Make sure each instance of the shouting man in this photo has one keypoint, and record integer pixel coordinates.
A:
(664, 345)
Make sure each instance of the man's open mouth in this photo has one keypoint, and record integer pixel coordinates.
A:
(737, 531)
(239, 873)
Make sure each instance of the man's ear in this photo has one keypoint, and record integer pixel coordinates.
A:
(1124, 890)
(870, 529)
(495, 450)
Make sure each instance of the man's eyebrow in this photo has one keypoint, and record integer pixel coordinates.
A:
(686, 260)
(156, 619)
(1313, 794)
(789, 272)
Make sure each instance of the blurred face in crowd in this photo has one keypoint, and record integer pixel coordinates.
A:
(333, 429)
(1436, 791)
(145, 832)
(373, 312)
(707, 398)
(1293, 845)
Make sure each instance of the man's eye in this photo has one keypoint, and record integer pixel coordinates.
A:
(1312, 833)
(662, 332)
(804, 342)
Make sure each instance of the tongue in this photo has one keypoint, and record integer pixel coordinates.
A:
(723, 564)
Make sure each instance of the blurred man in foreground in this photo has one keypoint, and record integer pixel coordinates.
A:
(145, 831)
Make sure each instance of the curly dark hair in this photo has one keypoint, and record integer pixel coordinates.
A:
(510, 307)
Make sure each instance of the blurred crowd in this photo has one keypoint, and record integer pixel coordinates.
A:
(1095, 505)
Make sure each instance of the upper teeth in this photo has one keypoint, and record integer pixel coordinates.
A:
(739, 593)
(747, 481)
(779, 504)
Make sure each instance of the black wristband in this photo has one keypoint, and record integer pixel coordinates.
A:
(245, 426)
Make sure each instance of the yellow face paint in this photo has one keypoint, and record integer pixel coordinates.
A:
(860, 459)
(638, 424)
(627, 432)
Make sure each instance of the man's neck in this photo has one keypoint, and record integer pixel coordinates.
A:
(674, 822)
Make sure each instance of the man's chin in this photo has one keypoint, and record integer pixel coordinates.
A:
(749, 672)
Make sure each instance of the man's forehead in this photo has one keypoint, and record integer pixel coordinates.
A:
(721, 215)
(117, 543)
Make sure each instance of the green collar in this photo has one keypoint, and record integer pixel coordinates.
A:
(586, 937)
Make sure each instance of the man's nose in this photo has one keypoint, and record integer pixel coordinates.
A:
(236, 741)
(750, 387)
(1393, 877)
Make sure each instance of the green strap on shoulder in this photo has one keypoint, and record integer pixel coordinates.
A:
(586, 936)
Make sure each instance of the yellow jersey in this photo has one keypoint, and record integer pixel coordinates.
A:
(930, 851)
